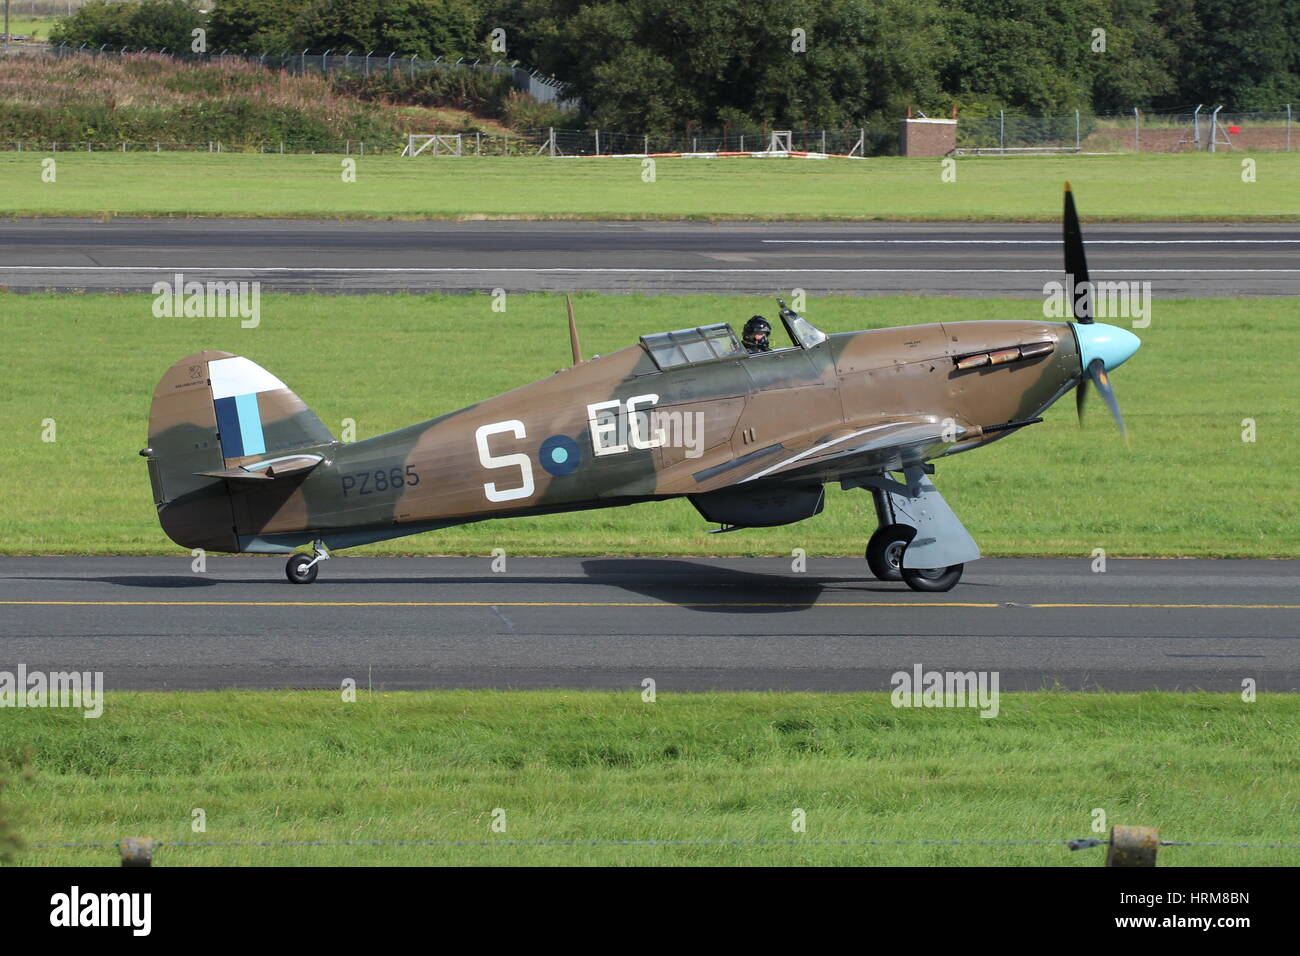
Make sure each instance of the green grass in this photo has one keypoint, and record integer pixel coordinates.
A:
(201, 184)
(36, 28)
(569, 765)
(1189, 485)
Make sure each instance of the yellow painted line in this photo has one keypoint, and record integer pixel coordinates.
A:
(1280, 607)
(823, 604)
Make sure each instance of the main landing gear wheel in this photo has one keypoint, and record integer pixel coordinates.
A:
(301, 569)
(885, 551)
(933, 579)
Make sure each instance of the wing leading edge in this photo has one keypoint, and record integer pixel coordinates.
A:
(869, 449)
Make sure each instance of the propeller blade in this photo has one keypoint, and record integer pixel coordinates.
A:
(1081, 397)
(1076, 263)
(1097, 372)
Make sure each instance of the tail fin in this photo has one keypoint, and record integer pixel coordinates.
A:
(213, 412)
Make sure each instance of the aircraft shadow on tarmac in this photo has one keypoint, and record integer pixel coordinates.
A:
(701, 586)
(134, 580)
(697, 585)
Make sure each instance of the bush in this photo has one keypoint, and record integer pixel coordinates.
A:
(424, 28)
(522, 112)
(151, 24)
(147, 97)
(481, 93)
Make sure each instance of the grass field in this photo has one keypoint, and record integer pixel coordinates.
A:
(569, 765)
(1129, 188)
(38, 28)
(1189, 486)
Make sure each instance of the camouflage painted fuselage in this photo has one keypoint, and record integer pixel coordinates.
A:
(598, 434)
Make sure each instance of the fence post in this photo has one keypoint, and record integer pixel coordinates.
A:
(1288, 127)
(1002, 131)
(597, 142)
(478, 144)
(136, 851)
(1078, 144)
(552, 132)
(1133, 846)
(823, 141)
(646, 149)
(1137, 130)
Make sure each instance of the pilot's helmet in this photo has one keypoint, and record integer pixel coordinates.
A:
(757, 335)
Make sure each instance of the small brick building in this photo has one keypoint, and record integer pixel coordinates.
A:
(927, 137)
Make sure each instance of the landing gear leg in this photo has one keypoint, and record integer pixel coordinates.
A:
(302, 568)
(916, 528)
(885, 548)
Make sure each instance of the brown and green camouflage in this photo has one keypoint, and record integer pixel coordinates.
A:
(238, 462)
(854, 404)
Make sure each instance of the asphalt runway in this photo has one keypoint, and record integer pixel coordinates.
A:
(690, 624)
(963, 259)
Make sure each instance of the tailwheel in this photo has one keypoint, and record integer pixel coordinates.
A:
(885, 551)
(933, 579)
(301, 569)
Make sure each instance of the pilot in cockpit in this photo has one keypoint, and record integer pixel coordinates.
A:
(757, 335)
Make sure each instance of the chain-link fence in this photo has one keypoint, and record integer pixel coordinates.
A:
(1195, 128)
(1012, 135)
(596, 142)
(470, 144)
(545, 141)
(1210, 129)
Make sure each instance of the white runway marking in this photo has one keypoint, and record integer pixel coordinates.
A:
(1032, 242)
(347, 270)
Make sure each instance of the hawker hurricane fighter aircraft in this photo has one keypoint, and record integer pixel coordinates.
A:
(239, 463)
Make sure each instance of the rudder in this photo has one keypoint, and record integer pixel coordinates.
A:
(214, 411)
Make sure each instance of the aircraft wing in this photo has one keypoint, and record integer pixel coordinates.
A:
(868, 449)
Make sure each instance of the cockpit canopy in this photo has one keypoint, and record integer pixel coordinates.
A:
(707, 343)
(689, 346)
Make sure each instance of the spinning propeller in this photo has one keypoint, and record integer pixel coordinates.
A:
(1101, 347)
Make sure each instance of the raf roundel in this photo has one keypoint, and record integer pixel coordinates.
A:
(559, 455)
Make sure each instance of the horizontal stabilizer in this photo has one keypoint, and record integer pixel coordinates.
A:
(269, 470)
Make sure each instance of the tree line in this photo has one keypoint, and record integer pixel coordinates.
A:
(659, 65)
